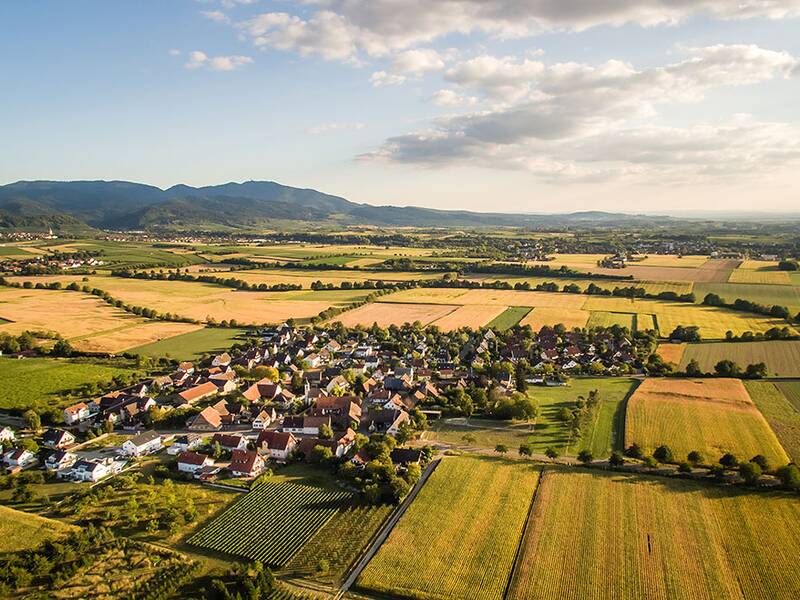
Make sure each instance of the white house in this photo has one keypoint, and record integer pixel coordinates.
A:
(60, 460)
(264, 418)
(142, 444)
(191, 462)
(57, 438)
(19, 459)
(277, 445)
(7, 435)
(76, 413)
(184, 443)
(246, 463)
(89, 470)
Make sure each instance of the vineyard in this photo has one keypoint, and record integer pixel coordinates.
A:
(271, 522)
(605, 536)
(459, 538)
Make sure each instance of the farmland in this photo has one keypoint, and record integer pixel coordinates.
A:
(790, 389)
(713, 416)
(271, 522)
(782, 295)
(509, 317)
(468, 553)
(549, 316)
(385, 314)
(38, 382)
(24, 531)
(86, 321)
(192, 345)
(604, 536)
(471, 315)
(782, 357)
(608, 319)
(772, 399)
(672, 353)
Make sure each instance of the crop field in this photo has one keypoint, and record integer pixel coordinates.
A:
(23, 531)
(385, 314)
(784, 418)
(509, 317)
(488, 297)
(306, 277)
(713, 416)
(469, 315)
(127, 254)
(271, 522)
(192, 345)
(550, 316)
(608, 319)
(672, 260)
(782, 295)
(645, 322)
(317, 251)
(759, 272)
(782, 357)
(790, 389)
(656, 268)
(339, 542)
(467, 553)
(672, 353)
(608, 536)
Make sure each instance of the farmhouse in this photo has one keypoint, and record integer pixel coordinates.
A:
(142, 444)
(246, 463)
(385, 421)
(229, 443)
(76, 413)
(261, 390)
(191, 462)
(276, 444)
(305, 425)
(208, 419)
(57, 438)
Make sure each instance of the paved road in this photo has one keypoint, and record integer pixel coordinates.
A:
(384, 533)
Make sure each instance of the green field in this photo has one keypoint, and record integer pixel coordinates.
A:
(24, 531)
(193, 345)
(459, 537)
(509, 317)
(790, 389)
(37, 382)
(128, 254)
(782, 357)
(608, 319)
(782, 295)
(772, 399)
(609, 536)
(272, 522)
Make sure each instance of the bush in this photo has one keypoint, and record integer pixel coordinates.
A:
(663, 454)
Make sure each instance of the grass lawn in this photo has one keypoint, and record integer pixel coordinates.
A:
(38, 382)
(24, 531)
(192, 345)
(464, 527)
(509, 317)
(782, 416)
(608, 536)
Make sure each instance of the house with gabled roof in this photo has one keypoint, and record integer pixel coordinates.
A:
(229, 442)
(191, 462)
(59, 460)
(207, 419)
(57, 439)
(184, 443)
(263, 390)
(277, 445)
(246, 463)
(264, 418)
(198, 392)
(76, 413)
(143, 444)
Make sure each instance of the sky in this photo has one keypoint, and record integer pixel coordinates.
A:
(489, 105)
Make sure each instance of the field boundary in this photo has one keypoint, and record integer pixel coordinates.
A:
(520, 546)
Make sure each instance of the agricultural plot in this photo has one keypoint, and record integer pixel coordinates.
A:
(471, 315)
(24, 531)
(509, 317)
(769, 295)
(306, 277)
(609, 319)
(464, 526)
(608, 536)
(759, 272)
(86, 321)
(193, 345)
(791, 390)
(713, 416)
(645, 322)
(671, 353)
(781, 414)
(386, 314)
(488, 297)
(547, 316)
(271, 522)
(38, 382)
(782, 357)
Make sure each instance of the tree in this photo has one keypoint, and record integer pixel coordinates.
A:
(325, 432)
(501, 449)
(320, 454)
(217, 450)
(551, 453)
(789, 475)
(729, 461)
(663, 454)
(727, 368)
(616, 459)
(693, 369)
(761, 461)
(634, 451)
(685, 467)
(62, 348)
(468, 439)
(32, 420)
(650, 462)
(756, 371)
(525, 450)
(750, 472)
(695, 457)
(585, 456)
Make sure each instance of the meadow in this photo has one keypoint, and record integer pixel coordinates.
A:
(509, 317)
(24, 531)
(713, 416)
(192, 345)
(38, 382)
(467, 553)
(606, 536)
(271, 522)
(782, 357)
(772, 399)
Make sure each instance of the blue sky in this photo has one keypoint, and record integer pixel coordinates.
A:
(523, 105)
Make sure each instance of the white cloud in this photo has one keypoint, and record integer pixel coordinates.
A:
(343, 29)
(578, 119)
(380, 78)
(174, 52)
(198, 59)
(331, 127)
(215, 15)
(450, 98)
(411, 63)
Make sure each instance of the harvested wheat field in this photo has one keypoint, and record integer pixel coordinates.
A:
(606, 536)
(385, 314)
(713, 416)
(765, 276)
(471, 315)
(671, 353)
(542, 316)
(124, 338)
(487, 297)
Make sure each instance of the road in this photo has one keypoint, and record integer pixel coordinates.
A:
(385, 531)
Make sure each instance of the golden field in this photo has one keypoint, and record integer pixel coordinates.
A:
(601, 536)
(469, 315)
(385, 314)
(713, 416)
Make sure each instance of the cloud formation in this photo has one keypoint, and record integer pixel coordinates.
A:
(198, 60)
(332, 127)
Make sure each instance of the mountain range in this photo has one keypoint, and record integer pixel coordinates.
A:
(122, 205)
